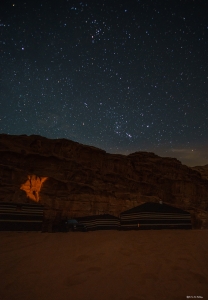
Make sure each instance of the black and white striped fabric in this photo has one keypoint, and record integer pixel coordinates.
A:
(100, 222)
(20, 217)
(152, 215)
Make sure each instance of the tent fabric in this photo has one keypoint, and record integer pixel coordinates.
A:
(100, 222)
(155, 207)
(29, 217)
(152, 215)
(20, 217)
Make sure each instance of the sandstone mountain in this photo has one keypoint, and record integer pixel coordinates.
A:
(71, 179)
(203, 170)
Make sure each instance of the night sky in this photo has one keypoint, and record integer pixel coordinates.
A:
(124, 76)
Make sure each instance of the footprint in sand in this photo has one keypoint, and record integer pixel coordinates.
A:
(81, 277)
(76, 279)
(130, 267)
(82, 258)
(133, 298)
(149, 276)
(125, 252)
(184, 259)
(176, 268)
(94, 269)
(199, 277)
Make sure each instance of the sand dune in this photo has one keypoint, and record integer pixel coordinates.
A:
(133, 265)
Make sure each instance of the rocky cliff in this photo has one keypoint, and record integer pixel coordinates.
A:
(203, 170)
(75, 180)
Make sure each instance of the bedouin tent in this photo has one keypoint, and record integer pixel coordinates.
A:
(151, 215)
(100, 222)
(20, 217)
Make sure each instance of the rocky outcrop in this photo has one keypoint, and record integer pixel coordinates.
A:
(203, 170)
(75, 180)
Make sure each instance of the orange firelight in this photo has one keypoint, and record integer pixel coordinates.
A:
(32, 186)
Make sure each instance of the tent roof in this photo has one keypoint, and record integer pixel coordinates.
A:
(155, 207)
(21, 204)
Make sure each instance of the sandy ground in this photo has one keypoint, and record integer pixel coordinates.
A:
(104, 265)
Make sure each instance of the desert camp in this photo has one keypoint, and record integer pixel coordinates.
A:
(21, 217)
(100, 222)
(152, 215)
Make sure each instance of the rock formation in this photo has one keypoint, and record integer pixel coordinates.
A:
(75, 180)
(203, 170)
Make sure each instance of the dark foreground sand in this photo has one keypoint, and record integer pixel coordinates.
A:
(104, 265)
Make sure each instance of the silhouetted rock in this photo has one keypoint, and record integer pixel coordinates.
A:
(203, 170)
(79, 180)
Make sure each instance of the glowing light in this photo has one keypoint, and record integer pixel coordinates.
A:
(33, 186)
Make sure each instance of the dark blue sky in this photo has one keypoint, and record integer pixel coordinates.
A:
(123, 76)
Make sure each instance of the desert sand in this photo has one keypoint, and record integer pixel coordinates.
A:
(101, 265)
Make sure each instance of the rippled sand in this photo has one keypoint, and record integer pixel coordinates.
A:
(104, 265)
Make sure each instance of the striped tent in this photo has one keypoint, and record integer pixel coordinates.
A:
(152, 215)
(20, 217)
(100, 222)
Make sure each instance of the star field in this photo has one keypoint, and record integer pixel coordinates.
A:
(123, 76)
